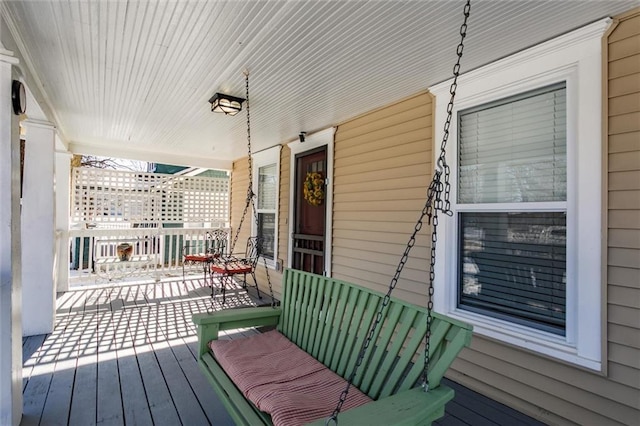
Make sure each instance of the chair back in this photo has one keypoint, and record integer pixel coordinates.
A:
(253, 250)
(217, 242)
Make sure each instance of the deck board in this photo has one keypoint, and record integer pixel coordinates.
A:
(30, 353)
(206, 396)
(134, 400)
(35, 395)
(127, 355)
(109, 403)
(56, 407)
(161, 405)
(184, 399)
(472, 408)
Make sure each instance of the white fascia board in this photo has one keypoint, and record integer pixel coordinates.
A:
(151, 156)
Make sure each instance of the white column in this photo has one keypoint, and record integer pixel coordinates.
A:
(10, 301)
(38, 232)
(62, 188)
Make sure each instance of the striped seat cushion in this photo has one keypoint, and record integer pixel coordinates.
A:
(283, 380)
(231, 268)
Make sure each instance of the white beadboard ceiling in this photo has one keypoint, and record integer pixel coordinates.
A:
(132, 78)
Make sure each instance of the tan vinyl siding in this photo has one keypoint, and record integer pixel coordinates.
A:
(623, 239)
(283, 218)
(276, 282)
(382, 166)
(239, 185)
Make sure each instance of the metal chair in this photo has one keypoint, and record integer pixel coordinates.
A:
(227, 268)
(204, 251)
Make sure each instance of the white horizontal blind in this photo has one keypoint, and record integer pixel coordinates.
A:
(101, 195)
(513, 265)
(267, 187)
(514, 150)
(267, 193)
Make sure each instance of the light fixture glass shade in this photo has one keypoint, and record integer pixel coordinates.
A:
(229, 105)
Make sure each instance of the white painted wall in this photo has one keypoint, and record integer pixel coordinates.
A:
(10, 289)
(38, 233)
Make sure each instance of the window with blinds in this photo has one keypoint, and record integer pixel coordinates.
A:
(515, 150)
(266, 208)
(512, 260)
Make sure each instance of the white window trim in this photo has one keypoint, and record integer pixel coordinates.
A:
(576, 58)
(313, 141)
(261, 159)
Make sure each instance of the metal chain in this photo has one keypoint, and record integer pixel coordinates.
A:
(442, 162)
(442, 205)
(250, 193)
(387, 297)
(433, 204)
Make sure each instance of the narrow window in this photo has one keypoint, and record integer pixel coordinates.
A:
(266, 172)
(266, 208)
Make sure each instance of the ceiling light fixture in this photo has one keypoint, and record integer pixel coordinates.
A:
(229, 105)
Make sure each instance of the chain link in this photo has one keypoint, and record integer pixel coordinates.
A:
(443, 205)
(433, 204)
(442, 162)
(251, 195)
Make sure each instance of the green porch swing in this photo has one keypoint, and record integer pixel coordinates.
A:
(326, 329)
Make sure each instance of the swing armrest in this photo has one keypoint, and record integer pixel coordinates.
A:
(210, 324)
(410, 407)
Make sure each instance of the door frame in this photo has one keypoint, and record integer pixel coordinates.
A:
(313, 141)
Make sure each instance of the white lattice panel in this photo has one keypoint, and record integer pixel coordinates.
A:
(101, 195)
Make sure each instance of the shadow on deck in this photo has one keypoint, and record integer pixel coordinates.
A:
(127, 355)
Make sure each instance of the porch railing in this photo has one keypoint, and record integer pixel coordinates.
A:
(116, 254)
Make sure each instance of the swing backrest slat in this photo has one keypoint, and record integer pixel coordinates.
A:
(330, 320)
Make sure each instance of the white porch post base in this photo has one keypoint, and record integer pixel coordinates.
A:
(38, 232)
(10, 301)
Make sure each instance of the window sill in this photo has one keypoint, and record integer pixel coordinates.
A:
(271, 264)
(526, 338)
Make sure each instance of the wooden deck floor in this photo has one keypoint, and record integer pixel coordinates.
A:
(126, 355)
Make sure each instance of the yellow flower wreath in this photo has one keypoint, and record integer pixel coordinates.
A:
(313, 188)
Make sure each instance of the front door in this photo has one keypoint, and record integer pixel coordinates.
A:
(310, 211)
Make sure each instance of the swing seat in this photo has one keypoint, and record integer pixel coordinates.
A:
(329, 320)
